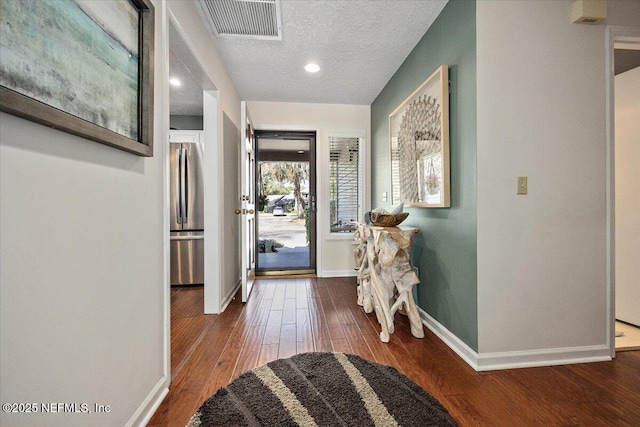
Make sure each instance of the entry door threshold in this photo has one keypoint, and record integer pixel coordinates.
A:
(285, 272)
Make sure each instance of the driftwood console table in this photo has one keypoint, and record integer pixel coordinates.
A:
(385, 276)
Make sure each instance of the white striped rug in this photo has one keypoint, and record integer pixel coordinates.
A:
(322, 389)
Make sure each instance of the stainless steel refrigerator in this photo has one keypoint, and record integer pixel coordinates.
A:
(187, 214)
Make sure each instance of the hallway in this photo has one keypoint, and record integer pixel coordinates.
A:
(287, 316)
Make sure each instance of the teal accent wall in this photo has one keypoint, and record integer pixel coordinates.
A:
(445, 249)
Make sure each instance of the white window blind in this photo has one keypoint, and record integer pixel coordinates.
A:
(344, 184)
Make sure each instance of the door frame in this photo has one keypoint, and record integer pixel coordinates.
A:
(614, 34)
(248, 196)
(314, 249)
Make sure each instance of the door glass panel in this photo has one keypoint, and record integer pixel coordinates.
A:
(285, 234)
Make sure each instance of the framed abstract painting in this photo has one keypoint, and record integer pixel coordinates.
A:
(81, 66)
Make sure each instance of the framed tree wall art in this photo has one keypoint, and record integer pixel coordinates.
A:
(84, 67)
(419, 145)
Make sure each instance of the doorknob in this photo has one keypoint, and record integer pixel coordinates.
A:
(238, 211)
(251, 211)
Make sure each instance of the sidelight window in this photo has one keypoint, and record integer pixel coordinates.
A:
(345, 183)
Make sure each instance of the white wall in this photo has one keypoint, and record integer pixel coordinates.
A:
(218, 286)
(82, 280)
(541, 114)
(627, 154)
(335, 257)
(623, 12)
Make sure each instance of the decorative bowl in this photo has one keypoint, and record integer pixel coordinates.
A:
(388, 220)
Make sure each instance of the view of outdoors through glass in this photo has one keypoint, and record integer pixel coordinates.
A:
(283, 202)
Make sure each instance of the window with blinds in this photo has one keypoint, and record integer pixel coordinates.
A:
(344, 184)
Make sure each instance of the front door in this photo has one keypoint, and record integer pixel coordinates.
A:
(247, 196)
(286, 221)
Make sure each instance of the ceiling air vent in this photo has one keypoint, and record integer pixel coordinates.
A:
(249, 19)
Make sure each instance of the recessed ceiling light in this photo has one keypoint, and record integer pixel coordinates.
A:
(312, 68)
(174, 81)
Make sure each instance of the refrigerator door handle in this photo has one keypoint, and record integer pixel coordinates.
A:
(178, 200)
(198, 237)
(183, 185)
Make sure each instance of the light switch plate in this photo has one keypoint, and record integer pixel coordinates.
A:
(522, 185)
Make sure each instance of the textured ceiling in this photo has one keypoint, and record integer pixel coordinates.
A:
(185, 99)
(358, 44)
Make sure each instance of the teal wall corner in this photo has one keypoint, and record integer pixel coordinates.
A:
(445, 249)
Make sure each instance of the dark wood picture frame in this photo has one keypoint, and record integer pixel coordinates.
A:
(26, 107)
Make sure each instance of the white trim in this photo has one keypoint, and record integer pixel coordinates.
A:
(348, 235)
(293, 128)
(213, 209)
(609, 192)
(544, 357)
(230, 297)
(338, 273)
(158, 393)
(633, 45)
(614, 35)
(456, 344)
(149, 406)
(514, 359)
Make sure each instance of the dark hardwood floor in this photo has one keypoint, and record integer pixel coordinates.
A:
(288, 316)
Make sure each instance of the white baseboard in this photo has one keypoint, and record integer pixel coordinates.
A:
(338, 273)
(515, 359)
(456, 344)
(146, 410)
(227, 299)
(545, 357)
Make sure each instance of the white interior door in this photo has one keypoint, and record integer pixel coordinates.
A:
(627, 203)
(247, 196)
